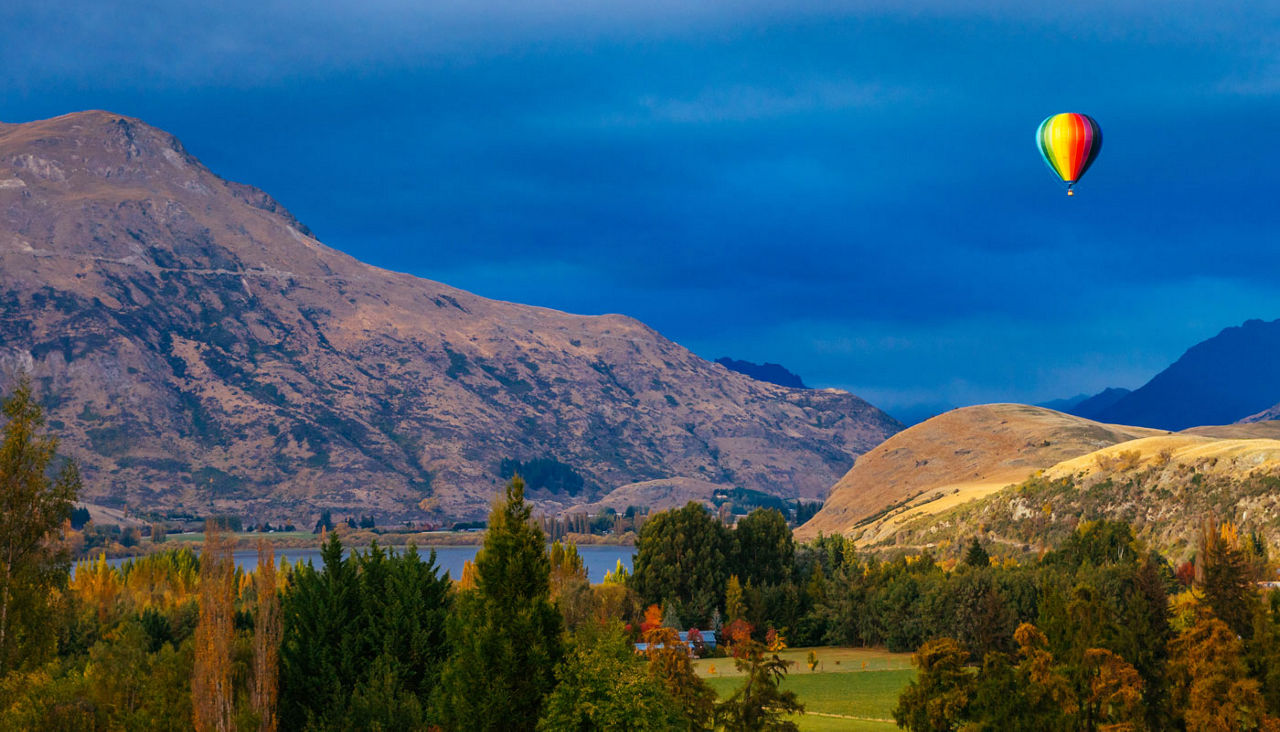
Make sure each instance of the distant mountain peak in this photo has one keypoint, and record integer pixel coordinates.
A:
(769, 372)
(1220, 380)
(1099, 403)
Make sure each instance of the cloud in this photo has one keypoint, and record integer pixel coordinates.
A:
(849, 188)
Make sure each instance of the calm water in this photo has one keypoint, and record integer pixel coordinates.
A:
(599, 559)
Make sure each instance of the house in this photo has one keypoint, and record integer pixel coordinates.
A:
(708, 640)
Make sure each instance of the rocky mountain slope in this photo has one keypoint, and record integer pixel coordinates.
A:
(199, 350)
(955, 457)
(1221, 380)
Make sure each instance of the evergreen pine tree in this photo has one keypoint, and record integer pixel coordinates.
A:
(505, 634)
(976, 556)
(316, 651)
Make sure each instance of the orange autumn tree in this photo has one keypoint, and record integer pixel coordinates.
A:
(266, 640)
(736, 635)
(652, 619)
(211, 692)
(1211, 681)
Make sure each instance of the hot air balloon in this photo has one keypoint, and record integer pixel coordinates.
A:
(1069, 143)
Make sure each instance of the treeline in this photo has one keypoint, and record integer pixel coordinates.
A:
(375, 640)
(1101, 633)
(1115, 640)
(1098, 634)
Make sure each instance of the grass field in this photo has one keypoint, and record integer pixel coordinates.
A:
(862, 683)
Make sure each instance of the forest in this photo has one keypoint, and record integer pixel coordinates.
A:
(1099, 633)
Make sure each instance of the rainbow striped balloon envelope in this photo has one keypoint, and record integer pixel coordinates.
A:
(1069, 143)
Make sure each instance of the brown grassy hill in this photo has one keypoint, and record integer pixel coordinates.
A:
(200, 350)
(1163, 486)
(658, 495)
(953, 458)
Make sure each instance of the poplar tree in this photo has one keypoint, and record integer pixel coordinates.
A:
(266, 640)
(211, 692)
(505, 634)
(33, 506)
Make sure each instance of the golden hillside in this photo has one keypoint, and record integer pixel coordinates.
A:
(1162, 486)
(956, 457)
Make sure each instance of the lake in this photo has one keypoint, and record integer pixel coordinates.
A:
(598, 558)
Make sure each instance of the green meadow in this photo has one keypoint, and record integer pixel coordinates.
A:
(850, 689)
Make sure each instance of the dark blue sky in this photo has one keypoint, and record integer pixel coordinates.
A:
(848, 189)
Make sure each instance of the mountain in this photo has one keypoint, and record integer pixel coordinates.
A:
(1099, 403)
(1265, 415)
(1063, 405)
(199, 350)
(1224, 379)
(955, 457)
(770, 372)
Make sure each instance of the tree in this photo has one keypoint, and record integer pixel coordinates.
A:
(317, 654)
(683, 555)
(938, 697)
(602, 685)
(1262, 650)
(363, 640)
(1098, 543)
(759, 704)
(211, 692)
(570, 589)
(1225, 575)
(1115, 695)
(735, 607)
(1144, 622)
(33, 506)
(1209, 678)
(669, 664)
(505, 634)
(981, 620)
(764, 552)
(976, 556)
(266, 640)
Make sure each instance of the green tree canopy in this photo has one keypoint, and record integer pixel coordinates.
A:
(603, 685)
(939, 697)
(764, 552)
(362, 639)
(33, 505)
(683, 555)
(976, 556)
(505, 634)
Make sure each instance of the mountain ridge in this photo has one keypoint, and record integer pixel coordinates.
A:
(1222, 379)
(200, 350)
